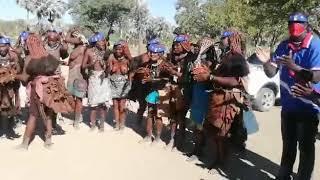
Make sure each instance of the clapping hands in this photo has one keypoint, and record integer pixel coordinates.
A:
(287, 61)
(263, 54)
(201, 73)
(299, 90)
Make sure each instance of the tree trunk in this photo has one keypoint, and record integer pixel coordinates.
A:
(28, 19)
(274, 39)
(140, 42)
(258, 37)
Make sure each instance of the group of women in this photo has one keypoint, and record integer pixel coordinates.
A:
(191, 77)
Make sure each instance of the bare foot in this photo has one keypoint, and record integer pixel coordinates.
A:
(48, 143)
(48, 146)
(117, 127)
(170, 146)
(156, 142)
(122, 127)
(92, 127)
(146, 140)
(214, 171)
(76, 125)
(192, 158)
(101, 130)
(22, 147)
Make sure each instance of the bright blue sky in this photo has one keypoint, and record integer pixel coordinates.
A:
(9, 10)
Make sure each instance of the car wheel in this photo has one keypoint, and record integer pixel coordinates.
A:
(265, 100)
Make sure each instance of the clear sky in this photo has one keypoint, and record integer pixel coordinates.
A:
(163, 8)
(9, 10)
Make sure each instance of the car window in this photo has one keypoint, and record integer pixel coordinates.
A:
(253, 59)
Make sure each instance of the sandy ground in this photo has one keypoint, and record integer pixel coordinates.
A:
(83, 155)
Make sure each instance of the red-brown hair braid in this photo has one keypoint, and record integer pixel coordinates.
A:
(35, 47)
(237, 42)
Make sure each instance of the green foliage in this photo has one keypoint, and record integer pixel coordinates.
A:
(97, 14)
(190, 16)
(158, 27)
(264, 21)
(12, 29)
(223, 14)
(129, 18)
(45, 9)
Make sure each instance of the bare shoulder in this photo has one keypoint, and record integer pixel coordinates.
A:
(89, 52)
(79, 50)
(82, 48)
(145, 56)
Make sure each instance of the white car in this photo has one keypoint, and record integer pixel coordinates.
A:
(264, 90)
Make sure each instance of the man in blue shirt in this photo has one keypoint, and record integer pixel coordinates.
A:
(299, 116)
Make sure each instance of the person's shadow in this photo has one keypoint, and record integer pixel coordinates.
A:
(131, 119)
(250, 165)
(246, 165)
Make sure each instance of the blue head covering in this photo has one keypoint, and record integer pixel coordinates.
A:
(119, 43)
(96, 37)
(90, 40)
(153, 41)
(52, 30)
(24, 35)
(5, 40)
(156, 48)
(181, 38)
(298, 17)
(226, 34)
(58, 30)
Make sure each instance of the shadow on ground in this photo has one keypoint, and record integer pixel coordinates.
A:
(245, 166)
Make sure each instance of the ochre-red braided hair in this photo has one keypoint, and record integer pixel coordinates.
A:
(237, 42)
(41, 63)
(35, 47)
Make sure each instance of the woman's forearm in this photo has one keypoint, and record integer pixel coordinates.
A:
(226, 81)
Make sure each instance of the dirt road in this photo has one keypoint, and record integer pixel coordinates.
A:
(83, 155)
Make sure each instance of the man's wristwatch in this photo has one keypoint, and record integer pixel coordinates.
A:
(211, 77)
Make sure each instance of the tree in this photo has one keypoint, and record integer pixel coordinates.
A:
(130, 19)
(97, 14)
(190, 16)
(28, 5)
(137, 21)
(211, 16)
(315, 19)
(223, 14)
(159, 28)
(45, 9)
(273, 23)
(264, 22)
(12, 29)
